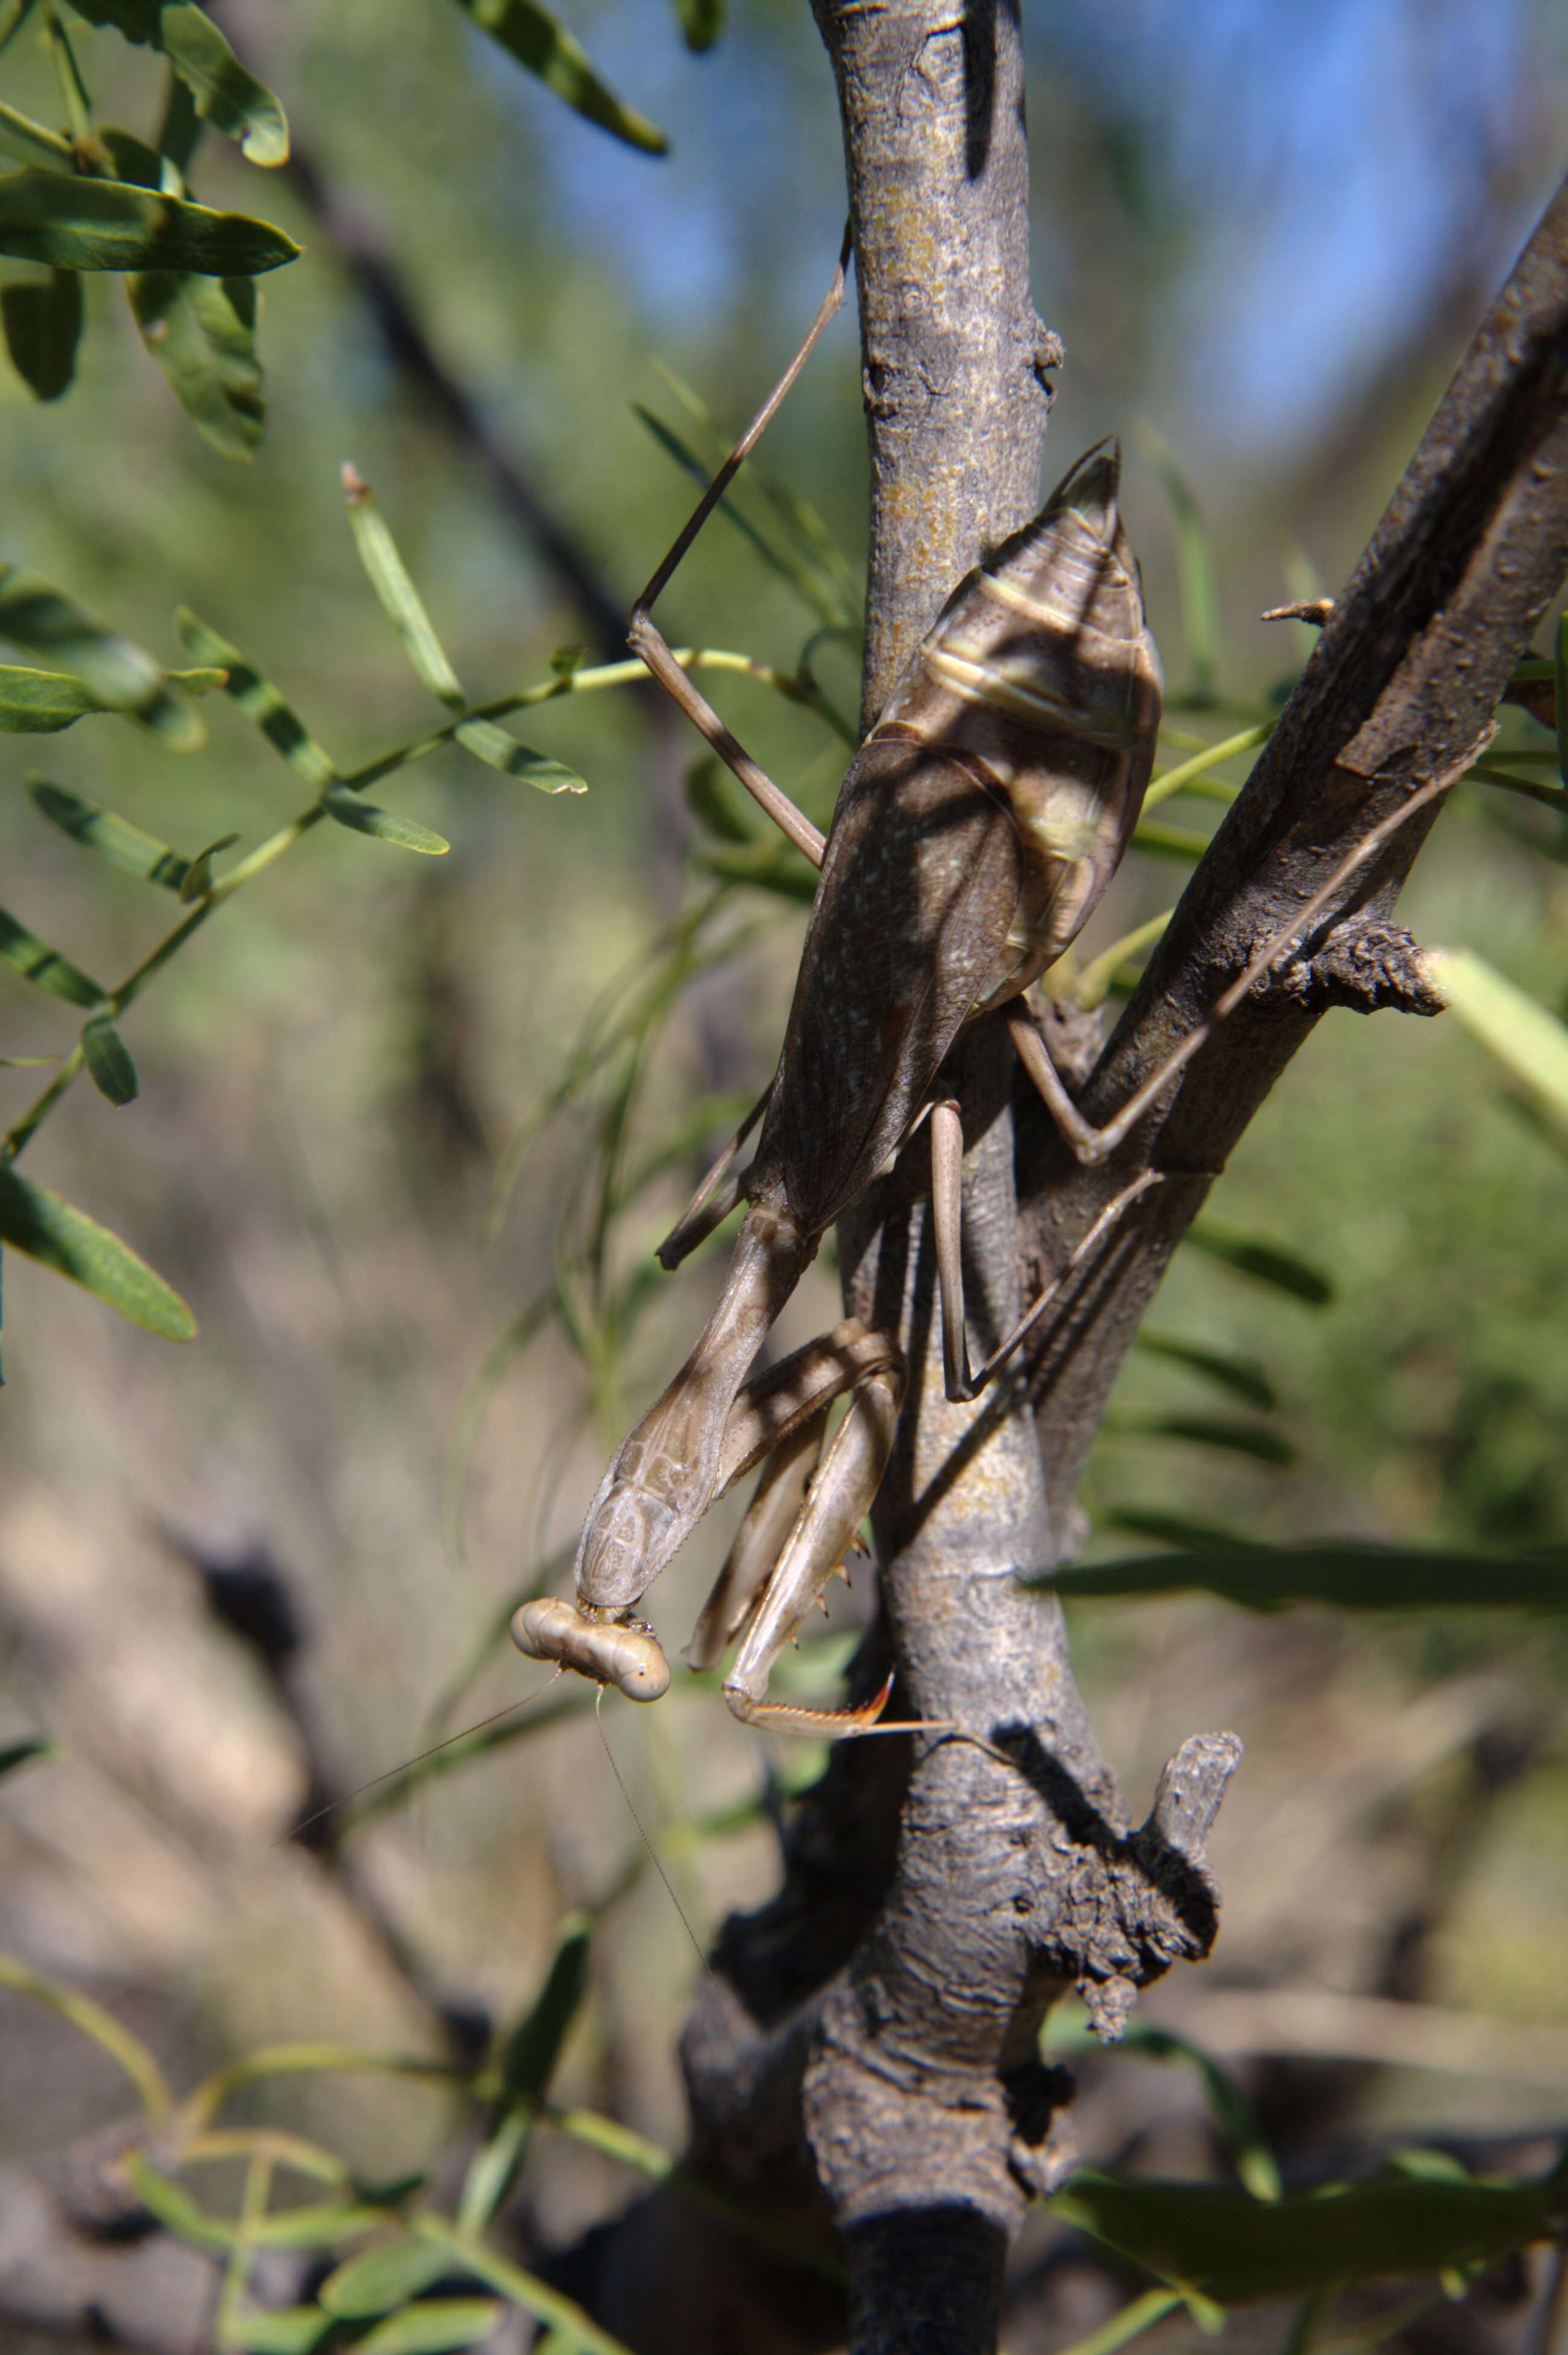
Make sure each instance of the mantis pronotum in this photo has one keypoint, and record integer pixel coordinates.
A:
(974, 831)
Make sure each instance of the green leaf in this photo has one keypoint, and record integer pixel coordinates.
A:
(320, 2226)
(799, 546)
(25, 1062)
(433, 2326)
(548, 2305)
(21, 1754)
(1266, 1263)
(121, 677)
(385, 2278)
(91, 2020)
(714, 797)
(173, 2206)
(531, 35)
(364, 817)
(107, 1060)
(401, 601)
(197, 880)
(124, 846)
(43, 323)
(1171, 1528)
(1527, 1039)
(202, 334)
(53, 1231)
(1345, 1577)
(285, 2331)
(527, 2066)
(1232, 2113)
(533, 2049)
(1229, 2247)
(1169, 841)
(259, 699)
(1205, 1431)
(498, 750)
(42, 702)
(226, 94)
(81, 224)
(1195, 564)
(769, 866)
(31, 142)
(1242, 1377)
(702, 21)
(46, 965)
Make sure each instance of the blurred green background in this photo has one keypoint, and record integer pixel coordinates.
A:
(1265, 236)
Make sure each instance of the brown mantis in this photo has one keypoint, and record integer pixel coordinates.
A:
(974, 831)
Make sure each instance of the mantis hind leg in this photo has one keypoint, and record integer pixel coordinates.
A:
(946, 1179)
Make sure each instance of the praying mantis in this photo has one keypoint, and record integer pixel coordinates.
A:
(976, 831)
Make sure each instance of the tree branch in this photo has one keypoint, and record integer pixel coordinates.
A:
(1410, 666)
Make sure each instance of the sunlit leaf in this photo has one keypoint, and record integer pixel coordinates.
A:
(42, 702)
(284, 2330)
(319, 2226)
(1265, 1262)
(1527, 1039)
(531, 35)
(22, 1753)
(498, 750)
(433, 2326)
(364, 817)
(52, 1230)
(259, 699)
(401, 601)
(43, 323)
(1242, 1377)
(1233, 2248)
(384, 2277)
(92, 2021)
(226, 94)
(73, 223)
(107, 1060)
(120, 675)
(202, 334)
(114, 838)
(1348, 1577)
(45, 965)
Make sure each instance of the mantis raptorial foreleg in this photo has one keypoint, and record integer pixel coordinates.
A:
(714, 1200)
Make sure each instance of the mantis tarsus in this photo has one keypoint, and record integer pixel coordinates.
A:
(974, 831)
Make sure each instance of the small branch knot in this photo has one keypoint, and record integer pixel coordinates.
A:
(1043, 2149)
(1365, 968)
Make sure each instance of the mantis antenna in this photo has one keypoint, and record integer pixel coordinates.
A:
(418, 1759)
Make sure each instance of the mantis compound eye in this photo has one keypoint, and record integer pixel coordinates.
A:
(627, 1658)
